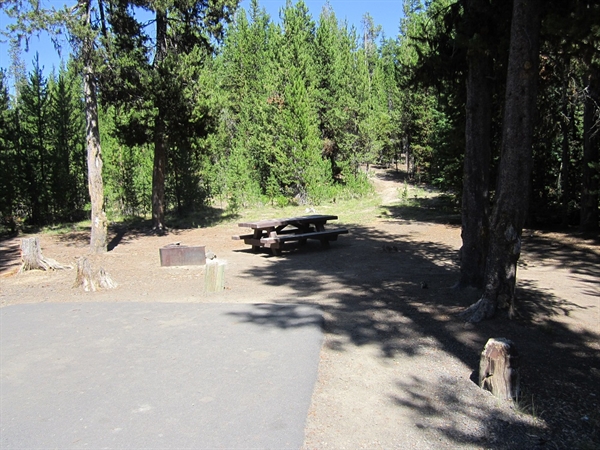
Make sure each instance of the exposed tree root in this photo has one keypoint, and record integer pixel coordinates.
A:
(483, 309)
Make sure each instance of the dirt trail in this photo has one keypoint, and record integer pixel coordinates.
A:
(396, 365)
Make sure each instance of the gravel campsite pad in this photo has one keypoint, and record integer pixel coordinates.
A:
(397, 366)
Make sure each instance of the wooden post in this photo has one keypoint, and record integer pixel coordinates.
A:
(499, 369)
(214, 276)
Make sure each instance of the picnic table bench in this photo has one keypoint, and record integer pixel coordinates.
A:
(276, 233)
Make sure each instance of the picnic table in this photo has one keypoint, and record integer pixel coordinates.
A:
(276, 233)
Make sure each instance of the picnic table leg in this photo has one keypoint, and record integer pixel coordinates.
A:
(324, 241)
(257, 236)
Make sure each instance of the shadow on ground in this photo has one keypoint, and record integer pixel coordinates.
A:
(441, 209)
(395, 294)
(122, 232)
(8, 254)
(577, 252)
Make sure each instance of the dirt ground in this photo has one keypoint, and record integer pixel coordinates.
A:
(397, 365)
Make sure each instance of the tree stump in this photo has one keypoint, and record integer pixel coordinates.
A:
(31, 255)
(91, 280)
(499, 369)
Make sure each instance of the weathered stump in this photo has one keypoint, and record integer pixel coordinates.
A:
(32, 258)
(499, 369)
(92, 280)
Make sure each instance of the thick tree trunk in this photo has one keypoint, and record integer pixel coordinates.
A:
(514, 177)
(591, 156)
(99, 232)
(475, 198)
(160, 135)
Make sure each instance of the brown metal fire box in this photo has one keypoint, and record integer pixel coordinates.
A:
(182, 255)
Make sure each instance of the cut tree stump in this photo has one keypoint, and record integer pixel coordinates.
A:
(499, 369)
(31, 255)
(92, 280)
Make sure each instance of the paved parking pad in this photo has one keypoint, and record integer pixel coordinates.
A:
(161, 375)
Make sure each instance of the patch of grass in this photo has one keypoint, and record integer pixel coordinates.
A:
(63, 228)
(349, 210)
(525, 405)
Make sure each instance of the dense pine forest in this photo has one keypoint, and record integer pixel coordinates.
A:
(202, 104)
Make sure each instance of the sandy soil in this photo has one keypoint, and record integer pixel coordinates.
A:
(397, 366)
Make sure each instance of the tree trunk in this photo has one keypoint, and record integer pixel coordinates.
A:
(566, 154)
(99, 232)
(499, 369)
(514, 175)
(475, 198)
(160, 135)
(159, 175)
(591, 156)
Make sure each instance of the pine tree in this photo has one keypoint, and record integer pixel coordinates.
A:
(299, 165)
(8, 162)
(67, 175)
(34, 132)
(184, 37)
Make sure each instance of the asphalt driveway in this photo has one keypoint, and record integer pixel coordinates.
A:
(156, 375)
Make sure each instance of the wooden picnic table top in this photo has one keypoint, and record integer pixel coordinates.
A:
(270, 223)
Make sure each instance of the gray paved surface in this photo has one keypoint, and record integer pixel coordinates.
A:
(166, 375)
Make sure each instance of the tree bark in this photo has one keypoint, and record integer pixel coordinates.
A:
(160, 135)
(591, 156)
(99, 231)
(475, 198)
(514, 177)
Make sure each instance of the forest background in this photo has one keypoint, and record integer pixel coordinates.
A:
(284, 112)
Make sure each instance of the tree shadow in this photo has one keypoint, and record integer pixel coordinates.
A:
(440, 209)
(281, 316)
(401, 302)
(208, 216)
(124, 231)
(538, 304)
(578, 253)
(9, 253)
(387, 174)
(439, 407)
